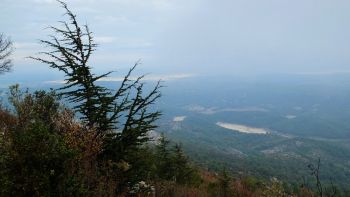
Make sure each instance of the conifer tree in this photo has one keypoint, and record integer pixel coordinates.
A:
(224, 183)
(125, 109)
(164, 163)
(182, 169)
(121, 117)
(5, 52)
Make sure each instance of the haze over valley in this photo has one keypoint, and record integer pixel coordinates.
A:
(233, 95)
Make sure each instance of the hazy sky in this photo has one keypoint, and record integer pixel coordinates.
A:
(191, 37)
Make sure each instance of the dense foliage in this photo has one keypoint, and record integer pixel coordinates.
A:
(46, 152)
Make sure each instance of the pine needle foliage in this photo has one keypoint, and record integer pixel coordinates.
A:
(6, 49)
(125, 109)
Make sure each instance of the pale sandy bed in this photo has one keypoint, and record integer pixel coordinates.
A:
(242, 128)
(179, 118)
(290, 116)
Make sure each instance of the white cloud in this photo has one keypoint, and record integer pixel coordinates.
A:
(146, 78)
(112, 19)
(320, 73)
(55, 82)
(152, 77)
(244, 109)
(124, 42)
(214, 110)
(68, 2)
(202, 110)
(24, 50)
(105, 39)
(45, 1)
(157, 4)
(26, 45)
(162, 4)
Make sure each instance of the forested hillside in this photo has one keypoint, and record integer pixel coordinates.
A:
(86, 139)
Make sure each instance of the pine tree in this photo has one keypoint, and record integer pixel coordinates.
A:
(164, 164)
(121, 117)
(224, 183)
(98, 106)
(183, 172)
(5, 52)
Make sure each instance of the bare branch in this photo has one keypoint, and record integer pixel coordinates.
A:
(6, 49)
